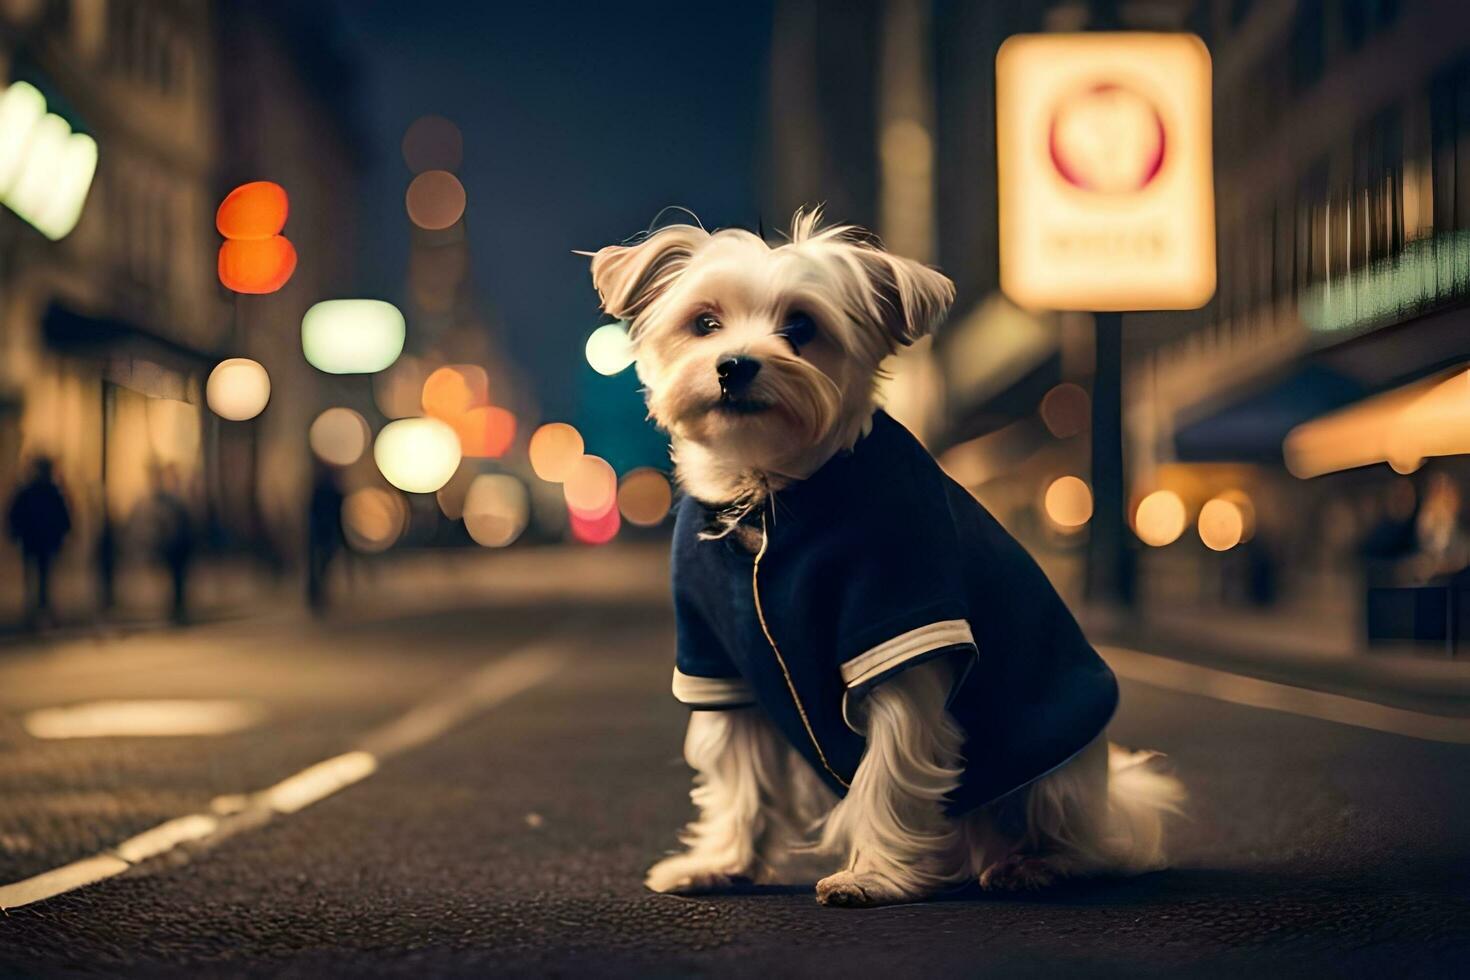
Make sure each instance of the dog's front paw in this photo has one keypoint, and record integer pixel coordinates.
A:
(689, 874)
(859, 890)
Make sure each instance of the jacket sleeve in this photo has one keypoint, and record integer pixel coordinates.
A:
(904, 601)
(705, 678)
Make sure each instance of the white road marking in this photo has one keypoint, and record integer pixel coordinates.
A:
(166, 836)
(319, 781)
(491, 685)
(132, 719)
(1176, 675)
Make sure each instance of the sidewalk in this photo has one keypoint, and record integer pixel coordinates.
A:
(409, 581)
(1295, 652)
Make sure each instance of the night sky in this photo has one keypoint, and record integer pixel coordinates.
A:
(580, 122)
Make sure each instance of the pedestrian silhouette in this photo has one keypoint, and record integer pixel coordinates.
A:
(323, 533)
(171, 532)
(39, 522)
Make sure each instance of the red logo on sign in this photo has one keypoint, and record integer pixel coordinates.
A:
(1108, 139)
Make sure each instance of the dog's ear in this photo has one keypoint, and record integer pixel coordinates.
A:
(913, 299)
(629, 277)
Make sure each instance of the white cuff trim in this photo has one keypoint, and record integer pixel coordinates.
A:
(890, 655)
(711, 691)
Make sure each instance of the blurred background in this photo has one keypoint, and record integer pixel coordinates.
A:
(1291, 474)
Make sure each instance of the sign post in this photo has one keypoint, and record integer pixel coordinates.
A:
(1106, 200)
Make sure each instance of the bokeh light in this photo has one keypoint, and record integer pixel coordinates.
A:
(594, 530)
(1066, 410)
(591, 487)
(555, 448)
(238, 389)
(339, 436)
(644, 497)
(399, 391)
(373, 518)
(417, 455)
(1068, 502)
(256, 210)
(45, 168)
(435, 200)
(486, 432)
(1221, 526)
(496, 509)
(1247, 508)
(608, 349)
(1160, 518)
(432, 143)
(352, 336)
(454, 389)
(256, 266)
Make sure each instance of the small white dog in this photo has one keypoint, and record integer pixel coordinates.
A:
(879, 672)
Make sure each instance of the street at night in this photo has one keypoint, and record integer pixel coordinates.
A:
(514, 841)
(790, 488)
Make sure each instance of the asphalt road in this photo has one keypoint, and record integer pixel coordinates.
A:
(514, 841)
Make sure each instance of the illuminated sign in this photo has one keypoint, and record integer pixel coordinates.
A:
(45, 168)
(1105, 178)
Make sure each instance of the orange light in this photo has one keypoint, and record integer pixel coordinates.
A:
(452, 390)
(595, 530)
(256, 265)
(591, 487)
(555, 448)
(373, 518)
(1068, 502)
(1066, 410)
(435, 200)
(486, 432)
(253, 211)
(644, 497)
(1221, 524)
(496, 509)
(1160, 518)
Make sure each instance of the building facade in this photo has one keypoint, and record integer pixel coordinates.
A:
(1341, 157)
(108, 334)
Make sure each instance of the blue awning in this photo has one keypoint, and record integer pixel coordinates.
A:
(1250, 428)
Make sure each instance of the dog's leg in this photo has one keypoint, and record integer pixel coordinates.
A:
(739, 761)
(900, 844)
(1102, 812)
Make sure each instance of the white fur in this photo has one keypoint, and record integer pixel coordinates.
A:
(760, 806)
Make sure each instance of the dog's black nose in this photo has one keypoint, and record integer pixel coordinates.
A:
(736, 373)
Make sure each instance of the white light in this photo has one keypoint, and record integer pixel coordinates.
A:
(352, 336)
(21, 107)
(238, 389)
(45, 168)
(69, 184)
(417, 455)
(609, 350)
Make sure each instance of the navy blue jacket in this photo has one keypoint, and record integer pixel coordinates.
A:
(877, 562)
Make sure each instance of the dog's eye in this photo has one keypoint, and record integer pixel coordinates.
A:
(704, 325)
(800, 329)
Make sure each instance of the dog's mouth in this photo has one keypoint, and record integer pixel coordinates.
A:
(742, 406)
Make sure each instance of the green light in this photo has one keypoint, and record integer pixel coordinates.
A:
(1421, 277)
